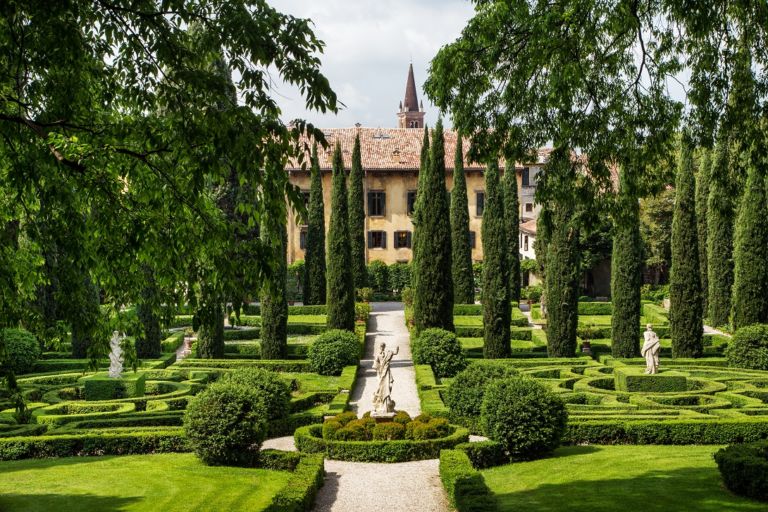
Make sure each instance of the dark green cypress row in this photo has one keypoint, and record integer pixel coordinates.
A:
(702, 196)
(433, 297)
(314, 259)
(274, 299)
(341, 284)
(210, 334)
(626, 270)
(512, 228)
(720, 237)
(148, 343)
(463, 277)
(750, 288)
(685, 313)
(495, 295)
(424, 162)
(357, 218)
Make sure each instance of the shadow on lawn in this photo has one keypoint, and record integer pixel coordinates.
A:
(41, 464)
(64, 503)
(697, 489)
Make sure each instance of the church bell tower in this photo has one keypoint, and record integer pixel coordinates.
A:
(411, 112)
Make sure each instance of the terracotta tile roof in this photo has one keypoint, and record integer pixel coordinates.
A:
(529, 227)
(391, 149)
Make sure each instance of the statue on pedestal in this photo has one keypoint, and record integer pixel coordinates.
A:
(116, 356)
(650, 350)
(382, 400)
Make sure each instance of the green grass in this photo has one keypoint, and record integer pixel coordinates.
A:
(477, 343)
(165, 482)
(610, 478)
(307, 319)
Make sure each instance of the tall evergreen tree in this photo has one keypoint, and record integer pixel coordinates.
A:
(433, 297)
(209, 318)
(274, 297)
(148, 343)
(562, 282)
(626, 269)
(685, 314)
(495, 295)
(341, 284)
(702, 196)
(512, 228)
(357, 217)
(423, 164)
(461, 259)
(750, 287)
(720, 213)
(314, 259)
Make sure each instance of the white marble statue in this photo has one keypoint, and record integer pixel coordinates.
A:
(116, 356)
(650, 350)
(382, 400)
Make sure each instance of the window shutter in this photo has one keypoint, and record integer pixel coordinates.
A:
(383, 239)
(526, 176)
(370, 206)
(370, 240)
(383, 199)
(408, 239)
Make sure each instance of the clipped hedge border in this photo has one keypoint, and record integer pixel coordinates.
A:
(465, 486)
(134, 443)
(744, 468)
(299, 493)
(309, 440)
(676, 432)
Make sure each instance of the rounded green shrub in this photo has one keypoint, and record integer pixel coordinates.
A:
(744, 468)
(402, 417)
(226, 424)
(21, 350)
(749, 348)
(388, 431)
(346, 417)
(330, 427)
(357, 430)
(332, 351)
(464, 395)
(441, 350)
(272, 390)
(433, 429)
(524, 416)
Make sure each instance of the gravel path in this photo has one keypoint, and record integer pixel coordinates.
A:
(387, 324)
(357, 486)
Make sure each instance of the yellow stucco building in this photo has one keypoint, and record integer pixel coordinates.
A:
(390, 158)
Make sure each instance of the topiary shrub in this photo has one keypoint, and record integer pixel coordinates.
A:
(441, 350)
(357, 430)
(749, 348)
(402, 417)
(524, 416)
(272, 390)
(388, 431)
(226, 424)
(744, 468)
(332, 351)
(464, 395)
(330, 427)
(21, 350)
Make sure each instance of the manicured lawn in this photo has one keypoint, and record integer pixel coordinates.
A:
(610, 478)
(163, 482)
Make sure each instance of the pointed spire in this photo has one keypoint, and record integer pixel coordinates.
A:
(411, 102)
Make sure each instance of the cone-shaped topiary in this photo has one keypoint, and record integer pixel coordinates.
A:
(314, 257)
(720, 213)
(274, 298)
(433, 298)
(750, 287)
(341, 286)
(685, 313)
(357, 218)
(512, 228)
(626, 270)
(495, 295)
(463, 277)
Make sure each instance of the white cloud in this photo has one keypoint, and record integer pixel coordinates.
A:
(368, 47)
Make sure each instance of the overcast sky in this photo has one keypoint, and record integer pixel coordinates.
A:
(369, 45)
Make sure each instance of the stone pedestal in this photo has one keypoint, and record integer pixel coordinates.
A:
(103, 387)
(383, 417)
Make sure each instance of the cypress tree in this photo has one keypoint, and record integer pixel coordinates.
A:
(512, 228)
(463, 277)
(148, 344)
(424, 162)
(702, 195)
(750, 288)
(562, 281)
(314, 259)
(433, 297)
(210, 331)
(495, 295)
(274, 298)
(341, 284)
(720, 237)
(685, 314)
(357, 218)
(626, 270)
